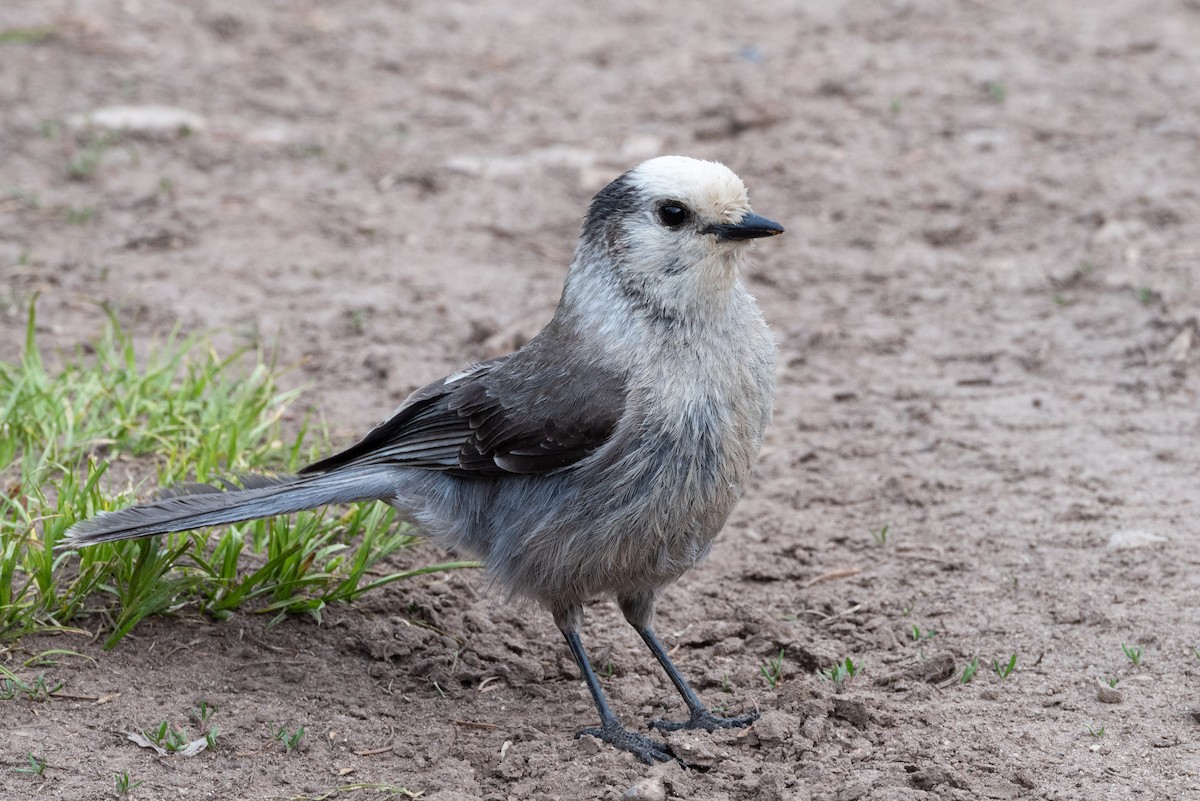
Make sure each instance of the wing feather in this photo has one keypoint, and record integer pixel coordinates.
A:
(504, 416)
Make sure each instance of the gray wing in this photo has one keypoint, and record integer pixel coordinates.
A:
(500, 417)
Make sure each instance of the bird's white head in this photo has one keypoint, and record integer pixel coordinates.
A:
(668, 237)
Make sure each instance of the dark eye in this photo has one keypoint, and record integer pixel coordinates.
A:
(673, 215)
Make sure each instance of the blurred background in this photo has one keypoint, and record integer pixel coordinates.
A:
(985, 304)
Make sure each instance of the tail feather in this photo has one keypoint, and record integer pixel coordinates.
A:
(200, 505)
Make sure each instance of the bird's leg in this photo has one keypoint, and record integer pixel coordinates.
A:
(639, 611)
(699, 717)
(610, 729)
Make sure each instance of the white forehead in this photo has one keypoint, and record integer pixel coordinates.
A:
(709, 188)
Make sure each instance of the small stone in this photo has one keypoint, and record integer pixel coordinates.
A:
(1133, 538)
(853, 792)
(853, 711)
(814, 728)
(511, 767)
(694, 750)
(775, 727)
(1181, 345)
(648, 789)
(294, 675)
(1107, 694)
(947, 230)
(769, 786)
(149, 121)
(933, 776)
(589, 745)
(937, 668)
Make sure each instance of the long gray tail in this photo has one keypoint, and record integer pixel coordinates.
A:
(205, 505)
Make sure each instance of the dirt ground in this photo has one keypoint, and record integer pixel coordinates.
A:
(985, 304)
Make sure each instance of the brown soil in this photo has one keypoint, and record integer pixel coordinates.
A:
(986, 308)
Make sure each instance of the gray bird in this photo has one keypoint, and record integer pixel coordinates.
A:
(600, 459)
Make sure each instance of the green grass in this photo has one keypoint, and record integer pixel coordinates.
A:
(180, 412)
(918, 635)
(1133, 653)
(290, 740)
(124, 783)
(842, 671)
(1004, 669)
(167, 737)
(80, 216)
(773, 670)
(25, 35)
(35, 766)
(38, 689)
(203, 712)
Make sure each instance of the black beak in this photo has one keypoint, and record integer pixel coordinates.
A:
(751, 227)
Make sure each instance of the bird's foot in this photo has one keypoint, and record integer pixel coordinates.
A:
(616, 735)
(703, 719)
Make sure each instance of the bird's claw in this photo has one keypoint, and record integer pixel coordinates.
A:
(703, 719)
(645, 749)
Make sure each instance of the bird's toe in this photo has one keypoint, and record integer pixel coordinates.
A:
(645, 749)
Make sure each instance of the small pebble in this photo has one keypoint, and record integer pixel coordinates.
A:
(648, 789)
(1107, 694)
(1133, 538)
(695, 750)
(150, 121)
